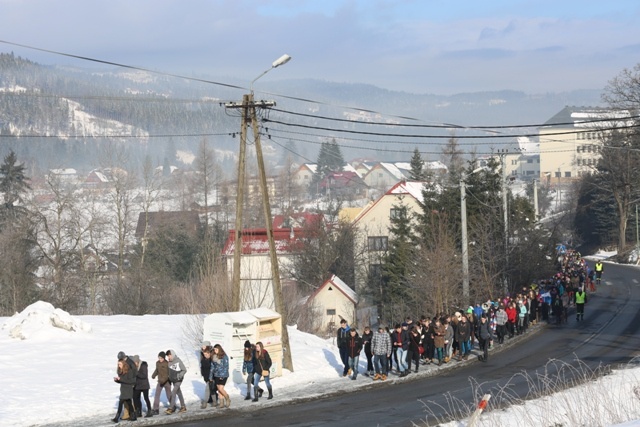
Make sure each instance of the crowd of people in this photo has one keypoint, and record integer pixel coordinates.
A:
(132, 375)
(401, 350)
(445, 337)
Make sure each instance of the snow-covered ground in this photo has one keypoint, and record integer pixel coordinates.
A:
(58, 369)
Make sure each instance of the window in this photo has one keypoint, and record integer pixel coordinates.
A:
(306, 177)
(578, 162)
(558, 174)
(395, 213)
(529, 160)
(378, 243)
(567, 174)
(514, 162)
(579, 149)
(375, 272)
(331, 311)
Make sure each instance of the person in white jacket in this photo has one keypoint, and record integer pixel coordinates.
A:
(177, 370)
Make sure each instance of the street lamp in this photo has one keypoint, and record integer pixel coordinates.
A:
(248, 108)
(278, 62)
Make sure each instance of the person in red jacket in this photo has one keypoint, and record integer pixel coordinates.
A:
(512, 316)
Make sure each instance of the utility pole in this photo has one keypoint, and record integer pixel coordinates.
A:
(248, 115)
(465, 242)
(535, 200)
(503, 154)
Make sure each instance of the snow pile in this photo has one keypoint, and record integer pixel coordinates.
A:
(41, 319)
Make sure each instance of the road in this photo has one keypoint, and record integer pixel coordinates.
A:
(608, 335)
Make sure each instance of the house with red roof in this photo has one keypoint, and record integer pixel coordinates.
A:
(255, 261)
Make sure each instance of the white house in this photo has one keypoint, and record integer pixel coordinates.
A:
(334, 301)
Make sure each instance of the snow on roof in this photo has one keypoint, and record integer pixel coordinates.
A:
(414, 188)
(343, 287)
(393, 170)
(66, 171)
(436, 165)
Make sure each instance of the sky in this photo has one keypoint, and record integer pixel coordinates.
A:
(419, 46)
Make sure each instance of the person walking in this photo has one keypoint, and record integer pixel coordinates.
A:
(177, 371)
(247, 368)
(141, 388)
(219, 373)
(485, 336)
(400, 340)
(599, 268)
(162, 372)
(367, 336)
(261, 369)
(501, 323)
(210, 391)
(381, 349)
(462, 336)
(354, 347)
(341, 340)
(580, 300)
(127, 379)
(439, 332)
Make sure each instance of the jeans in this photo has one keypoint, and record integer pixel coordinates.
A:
(465, 348)
(380, 363)
(256, 380)
(402, 359)
(353, 365)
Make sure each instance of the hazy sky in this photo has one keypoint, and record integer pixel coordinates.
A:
(422, 46)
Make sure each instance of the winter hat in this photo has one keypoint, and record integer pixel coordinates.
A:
(136, 359)
(247, 344)
(470, 309)
(405, 324)
(206, 344)
(121, 355)
(162, 354)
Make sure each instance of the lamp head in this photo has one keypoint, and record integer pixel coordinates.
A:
(281, 61)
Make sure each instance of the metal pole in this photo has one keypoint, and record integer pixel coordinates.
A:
(465, 243)
(275, 270)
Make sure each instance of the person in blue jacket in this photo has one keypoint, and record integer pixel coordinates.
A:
(220, 373)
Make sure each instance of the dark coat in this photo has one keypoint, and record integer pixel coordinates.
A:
(366, 340)
(261, 363)
(205, 366)
(463, 332)
(342, 335)
(354, 345)
(400, 339)
(127, 381)
(142, 378)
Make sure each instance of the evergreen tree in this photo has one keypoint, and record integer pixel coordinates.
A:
(417, 167)
(329, 160)
(13, 185)
(396, 296)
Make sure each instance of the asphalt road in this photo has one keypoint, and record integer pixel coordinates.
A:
(607, 336)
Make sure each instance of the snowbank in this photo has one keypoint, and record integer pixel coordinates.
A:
(42, 320)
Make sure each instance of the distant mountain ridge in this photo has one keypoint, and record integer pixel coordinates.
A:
(63, 116)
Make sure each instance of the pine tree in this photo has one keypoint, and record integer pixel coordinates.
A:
(13, 185)
(417, 172)
(397, 265)
(329, 160)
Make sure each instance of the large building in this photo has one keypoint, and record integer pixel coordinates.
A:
(571, 142)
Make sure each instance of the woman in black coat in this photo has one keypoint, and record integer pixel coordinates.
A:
(142, 387)
(127, 379)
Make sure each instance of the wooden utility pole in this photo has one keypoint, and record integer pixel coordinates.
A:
(248, 109)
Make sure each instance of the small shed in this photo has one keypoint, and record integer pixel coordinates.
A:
(232, 329)
(335, 300)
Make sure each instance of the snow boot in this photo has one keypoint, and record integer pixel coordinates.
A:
(149, 414)
(270, 393)
(248, 395)
(255, 393)
(260, 391)
(227, 401)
